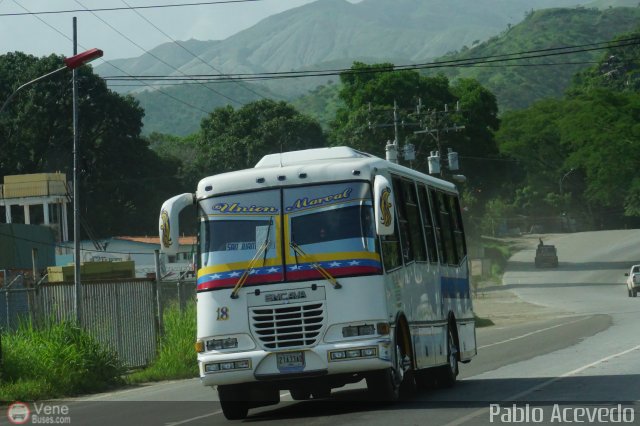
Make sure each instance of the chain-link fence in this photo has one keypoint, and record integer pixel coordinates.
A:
(122, 314)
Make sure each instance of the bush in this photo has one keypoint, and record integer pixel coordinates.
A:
(177, 356)
(59, 359)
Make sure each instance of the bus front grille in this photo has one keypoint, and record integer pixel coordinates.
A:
(288, 326)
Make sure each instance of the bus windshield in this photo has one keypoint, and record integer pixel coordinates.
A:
(238, 233)
(331, 225)
(333, 228)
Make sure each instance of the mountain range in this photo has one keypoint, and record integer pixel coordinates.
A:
(326, 34)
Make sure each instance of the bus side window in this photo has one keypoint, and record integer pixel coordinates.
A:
(403, 222)
(391, 253)
(427, 223)
(458, 230)
(413, 218)
(447, 228)
(437, 217)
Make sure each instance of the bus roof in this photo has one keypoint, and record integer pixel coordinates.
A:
(310, 166)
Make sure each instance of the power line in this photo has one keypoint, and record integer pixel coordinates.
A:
(114, 66)
(156, 57)
(534, 54)
(187, 50)
(207, 80)
(531, 54)
(111, 9)
(43, 243)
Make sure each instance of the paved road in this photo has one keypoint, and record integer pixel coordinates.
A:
(588, 358)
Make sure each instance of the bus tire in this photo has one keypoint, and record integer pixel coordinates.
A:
(446, 375)
(300, 394)
(383, 386)
(321, 393)
(232, 406)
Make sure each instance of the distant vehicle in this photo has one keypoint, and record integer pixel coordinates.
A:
(633, 281)
(546, 255)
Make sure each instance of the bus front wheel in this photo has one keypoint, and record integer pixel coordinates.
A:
(232, 403)
(384, 385)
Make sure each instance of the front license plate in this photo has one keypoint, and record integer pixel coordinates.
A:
(290, 361)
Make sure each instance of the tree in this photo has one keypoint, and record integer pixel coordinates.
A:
(236, 139)
(369, 93)
(595, 133)
(120, 178)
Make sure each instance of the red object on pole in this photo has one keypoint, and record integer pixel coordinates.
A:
(82, 58)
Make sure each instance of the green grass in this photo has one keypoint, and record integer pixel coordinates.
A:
(53, 361)
(177, 356)
(483, 322)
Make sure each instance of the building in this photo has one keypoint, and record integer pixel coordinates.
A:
(138, 249)
(24, 248)
(37, 199)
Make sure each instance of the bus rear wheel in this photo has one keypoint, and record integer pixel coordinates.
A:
(446, 375)
(233, 407)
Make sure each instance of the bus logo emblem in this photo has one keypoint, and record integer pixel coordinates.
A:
(385, 207)
(165, 228)
(285, 296)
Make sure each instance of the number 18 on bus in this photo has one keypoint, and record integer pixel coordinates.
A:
(324, 267)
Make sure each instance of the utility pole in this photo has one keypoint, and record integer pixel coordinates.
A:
(392, 148)
(438, 122)
(77, 301)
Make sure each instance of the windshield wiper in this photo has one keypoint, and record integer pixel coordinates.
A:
(247, 272)
(325, 274)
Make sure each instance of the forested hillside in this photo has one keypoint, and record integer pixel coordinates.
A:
(517, 84)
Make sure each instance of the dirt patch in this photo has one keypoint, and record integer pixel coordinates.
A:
(503, 307)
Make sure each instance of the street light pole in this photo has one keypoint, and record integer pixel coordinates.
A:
(73, 62)
(76, 199)
(35, 80)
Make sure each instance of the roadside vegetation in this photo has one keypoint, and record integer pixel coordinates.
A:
(61, 359)
(177, 357)
(56, 360)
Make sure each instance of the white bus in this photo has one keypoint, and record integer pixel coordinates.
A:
(323, 267)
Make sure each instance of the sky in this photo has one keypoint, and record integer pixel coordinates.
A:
(53, 33)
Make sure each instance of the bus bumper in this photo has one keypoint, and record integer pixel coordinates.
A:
(322, 360)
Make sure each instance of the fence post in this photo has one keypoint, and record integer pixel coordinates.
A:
(180, 295)
(6, 302)
(34, 264)
(158, 291)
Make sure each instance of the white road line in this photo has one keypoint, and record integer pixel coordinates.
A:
(516, 397)
(532, 333)
(204, 416)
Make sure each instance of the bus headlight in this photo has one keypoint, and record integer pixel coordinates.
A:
(216, 367)
(358, 330)
(355, 353)
(218, 344)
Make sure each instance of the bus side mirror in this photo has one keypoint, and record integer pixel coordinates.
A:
(384, 205)
(169, 225)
